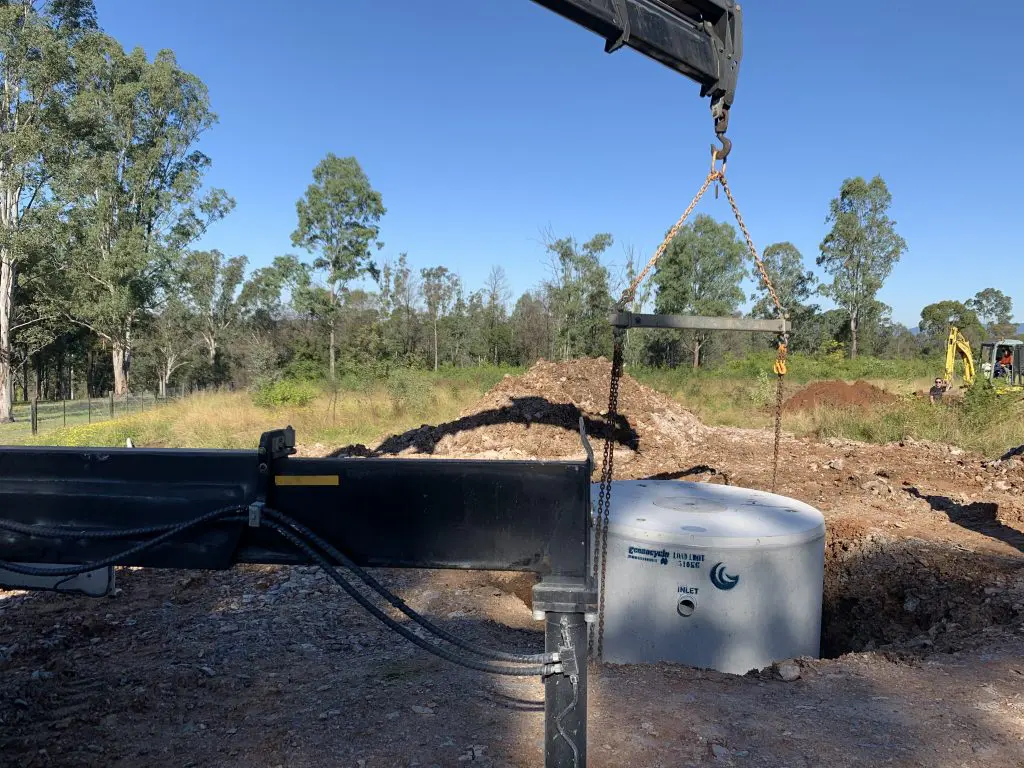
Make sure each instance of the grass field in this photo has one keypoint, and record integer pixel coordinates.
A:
(363, 411)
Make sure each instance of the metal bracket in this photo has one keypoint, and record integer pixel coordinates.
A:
(275, 445)
(622, 17)
(255, 510)
(564, 595)
(586, 443)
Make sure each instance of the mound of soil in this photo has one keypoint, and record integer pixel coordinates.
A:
(537, 416)
(838, 394)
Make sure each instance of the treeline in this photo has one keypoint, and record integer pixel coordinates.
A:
(101, 289)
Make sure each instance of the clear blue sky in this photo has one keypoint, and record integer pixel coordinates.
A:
(483, 122)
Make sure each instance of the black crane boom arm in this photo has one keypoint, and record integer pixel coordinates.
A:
(702, 39)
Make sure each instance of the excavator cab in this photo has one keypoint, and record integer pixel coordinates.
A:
(1003, 363)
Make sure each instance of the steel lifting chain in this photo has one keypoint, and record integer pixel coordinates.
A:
(607, 468)
(783, 346)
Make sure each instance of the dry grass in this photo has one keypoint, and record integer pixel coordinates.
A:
(232, 420)
(367, 413)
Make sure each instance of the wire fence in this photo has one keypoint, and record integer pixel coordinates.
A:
(41, 416)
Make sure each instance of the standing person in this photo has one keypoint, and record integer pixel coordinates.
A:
(937, 391)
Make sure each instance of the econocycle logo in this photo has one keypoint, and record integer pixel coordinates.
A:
(721, 579)
(649, 555)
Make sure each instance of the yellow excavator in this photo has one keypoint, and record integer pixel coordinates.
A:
(957, 346)
(1002, 362)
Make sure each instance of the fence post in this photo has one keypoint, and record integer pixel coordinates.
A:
(34, 417)
(111, 403)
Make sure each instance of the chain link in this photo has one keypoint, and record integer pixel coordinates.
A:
(630, 292)
(780, 355)
(604, 498)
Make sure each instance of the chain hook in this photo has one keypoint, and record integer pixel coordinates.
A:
(721, 153)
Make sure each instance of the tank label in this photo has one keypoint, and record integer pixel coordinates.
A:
(664, 557)
(686, 590)
(687, 559)
(649, 555)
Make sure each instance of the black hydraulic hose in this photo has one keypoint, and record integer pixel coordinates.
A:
(277, 522)
(65, 532)
(397, 602)
(75, 570)
(442, 652)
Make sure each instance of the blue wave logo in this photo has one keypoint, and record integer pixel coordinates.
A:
(721, 579)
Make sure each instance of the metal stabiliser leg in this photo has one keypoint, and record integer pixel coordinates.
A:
(565, 605)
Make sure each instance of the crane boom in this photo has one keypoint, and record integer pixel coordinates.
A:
(702, 39)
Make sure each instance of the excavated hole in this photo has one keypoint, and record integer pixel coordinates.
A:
(911, 594)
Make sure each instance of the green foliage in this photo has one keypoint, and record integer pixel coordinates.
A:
(981, 404)
(440, 287)
(700, 274)
(408, 388)
(304, 370)
(802, 369)
(578, 296)
(992, 306)
(861, 248)
(793, 283)
(285, 393)
(936, 319)
(136, 197)
(338, 219)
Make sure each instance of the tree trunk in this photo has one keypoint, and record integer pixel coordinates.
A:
(332, 351)
(165, 376)
(6, 309)
(853, 334)
(696, 353)
(435, 343)
(211, 350)
(120, 379)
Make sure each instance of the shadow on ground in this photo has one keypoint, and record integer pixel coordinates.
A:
(527, 411)
(978, 516)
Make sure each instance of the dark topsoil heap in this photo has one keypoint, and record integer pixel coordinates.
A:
(838, 394)
(536, 416)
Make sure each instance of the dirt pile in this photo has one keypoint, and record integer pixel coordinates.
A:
(838, 394)
(536, 416)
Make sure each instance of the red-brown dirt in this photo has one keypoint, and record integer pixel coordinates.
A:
(838, 394)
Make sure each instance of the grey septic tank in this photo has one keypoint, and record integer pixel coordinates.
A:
(711, 576)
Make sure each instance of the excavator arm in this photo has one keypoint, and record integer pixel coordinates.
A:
(702, 39)
(958, 346)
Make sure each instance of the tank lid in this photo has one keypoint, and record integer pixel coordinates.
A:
(707, 515)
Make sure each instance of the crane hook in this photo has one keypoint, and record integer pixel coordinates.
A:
(723, 152)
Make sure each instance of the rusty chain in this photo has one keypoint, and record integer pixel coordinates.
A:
(608, 458)
(604, 497)
(780, 354)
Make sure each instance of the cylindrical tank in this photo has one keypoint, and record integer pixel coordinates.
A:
(711, 576)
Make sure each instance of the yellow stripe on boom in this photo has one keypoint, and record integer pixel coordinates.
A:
(306, 480)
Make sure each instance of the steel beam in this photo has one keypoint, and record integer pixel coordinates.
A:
(698, 322)
(701, 39)
(418, 513)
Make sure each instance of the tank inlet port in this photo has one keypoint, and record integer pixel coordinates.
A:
(686, 607)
